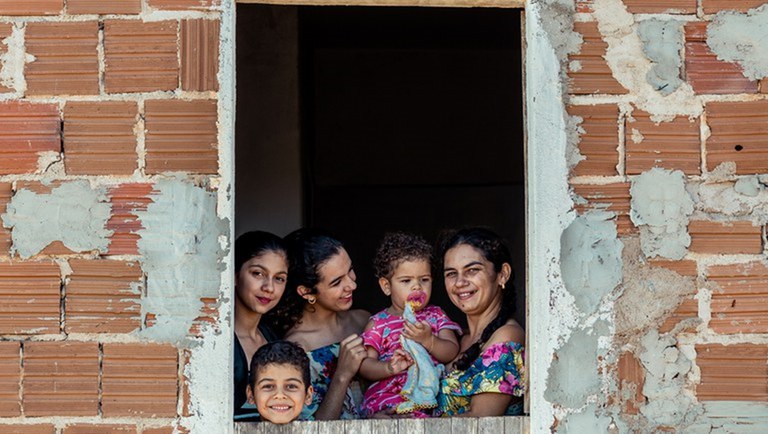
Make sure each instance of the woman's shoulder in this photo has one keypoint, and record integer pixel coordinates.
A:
(509, 332)
(356, 319)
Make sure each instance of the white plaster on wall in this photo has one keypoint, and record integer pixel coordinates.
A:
(740, 37)
(13, 61)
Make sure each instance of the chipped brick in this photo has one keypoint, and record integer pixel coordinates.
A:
(181, 136)
(26, 130)
(704, 72)
(66, 60)
(99, 138)
(739, 133)
(6, 192)
(688, 309)
(612, 197)
(600, 139)
(674, 145)
(139, 379)
(103, 296)
(127, 200)
(61, 379)
(631, 380)
(140, 57)
(715, 6)
(594, 74)
(183, 4)
(30, 297)
(740, 305)
(657, 7)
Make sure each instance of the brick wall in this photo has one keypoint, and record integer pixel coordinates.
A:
(120, 93)
(619, 140)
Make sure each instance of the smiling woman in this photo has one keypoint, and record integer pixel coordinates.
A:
(261, 261)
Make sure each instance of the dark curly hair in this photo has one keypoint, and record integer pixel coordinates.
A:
(495, 250)
(252, 244)
(280, 353)
(308, 250)
(397, 247)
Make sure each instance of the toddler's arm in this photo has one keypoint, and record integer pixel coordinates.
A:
(373, 369)
(444, 347)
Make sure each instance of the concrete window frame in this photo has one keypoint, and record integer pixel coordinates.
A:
(547, 199)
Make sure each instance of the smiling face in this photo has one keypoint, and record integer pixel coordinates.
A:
(279, 393)
(336, 284)
(261, 281)
(471, 280)
(408, 277)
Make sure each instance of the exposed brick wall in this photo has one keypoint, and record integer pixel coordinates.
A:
(722, 140)
(115, 93)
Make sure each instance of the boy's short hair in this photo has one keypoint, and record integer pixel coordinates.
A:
(280, 353)
(397, 247)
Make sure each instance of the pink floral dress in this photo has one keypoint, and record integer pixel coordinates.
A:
(384, 337)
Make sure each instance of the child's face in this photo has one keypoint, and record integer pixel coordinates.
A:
(279, 393)
(408, 276)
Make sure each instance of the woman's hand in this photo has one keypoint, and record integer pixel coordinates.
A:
(351, 355)
(399, 362)
(420, 332)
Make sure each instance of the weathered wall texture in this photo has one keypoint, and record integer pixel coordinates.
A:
(112, 239)
(660, 321)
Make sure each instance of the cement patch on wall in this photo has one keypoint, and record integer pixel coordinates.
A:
(740, 37)
(661, 207)
(13, 61)
(573, 374)
(590, 258)
(181, 254)
(663, 44)
(73, 213)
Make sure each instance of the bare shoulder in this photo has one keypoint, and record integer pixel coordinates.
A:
(509, 332)
(358, 318)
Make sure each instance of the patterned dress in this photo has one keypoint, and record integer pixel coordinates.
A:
(384, 337)
(322, 366)
(499, 369)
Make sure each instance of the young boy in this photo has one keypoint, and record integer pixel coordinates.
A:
(279, 383)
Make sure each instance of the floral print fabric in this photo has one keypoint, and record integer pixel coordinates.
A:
(322, 366)
(499, 369)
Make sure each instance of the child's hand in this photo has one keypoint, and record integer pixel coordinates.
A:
(420, 332)
(399, 362)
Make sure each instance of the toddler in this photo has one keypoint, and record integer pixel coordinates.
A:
(279, 381)
(403, 266)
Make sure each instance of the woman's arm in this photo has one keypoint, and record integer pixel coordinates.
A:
(374, 369)
(351, 354)
(444, 347)
(488, 404)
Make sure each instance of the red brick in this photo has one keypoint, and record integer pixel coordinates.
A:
(584, 6)
(26, 130)
(595, 75)
(688, 309)
(141, 57)
(209, 316)
(84, 428)
(31, 7)
(139, 380)
(165, 430)
(100, 297)
(5, 31)
(61, 379)
(631, 376)
(127, 200)
(741, 303)
(704, 72)
(30, 297)
(738, 133)
(657, 7)
(66, 60)
(612, 197)
(6, 192)
(684, 267)
(183, 4)
(99, 138)
(715, 6)
(199, 54)
(181, 136)
(725, 237)
(28, 429)
(674, 145)
(600, 140)
(737, 372)
(103, 7)
(10, 379)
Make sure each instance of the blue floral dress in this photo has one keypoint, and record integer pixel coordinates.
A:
(499, 369)
(322, 366)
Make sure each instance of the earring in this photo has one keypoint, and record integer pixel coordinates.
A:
(311, 299)
(503, 286)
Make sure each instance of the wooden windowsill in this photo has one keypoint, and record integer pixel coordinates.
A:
(454, 425)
